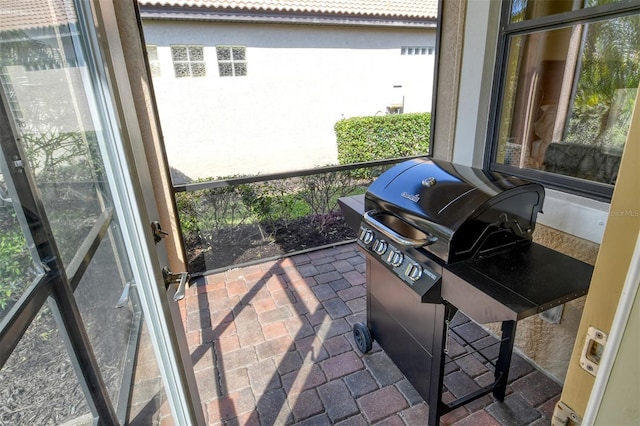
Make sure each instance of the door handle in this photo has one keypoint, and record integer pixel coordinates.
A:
(181, 278)
(158, 233)
(394, 236)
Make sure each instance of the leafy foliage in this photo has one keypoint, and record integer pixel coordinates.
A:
(56, 156)
(321, 192)
(270, 201)
(608, 82)
(209, 212)
(15, 259)
(380, 137)
(241, 222)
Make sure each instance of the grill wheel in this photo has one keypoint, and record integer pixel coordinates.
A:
(362, 337)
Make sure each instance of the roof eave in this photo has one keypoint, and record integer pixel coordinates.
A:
(238, 16)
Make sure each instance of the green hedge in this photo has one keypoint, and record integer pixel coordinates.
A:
(380, 137)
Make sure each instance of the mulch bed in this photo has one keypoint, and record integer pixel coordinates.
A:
(38, 383)
(255, 242)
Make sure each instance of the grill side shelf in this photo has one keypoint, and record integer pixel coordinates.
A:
(515, 284)
(352, 209)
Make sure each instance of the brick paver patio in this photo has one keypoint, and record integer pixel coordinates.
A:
(272, 345)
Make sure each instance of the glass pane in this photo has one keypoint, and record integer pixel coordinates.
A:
(182, 70)
(522, 10)
(223, 53)
(225, 69)
(42, 76)
(149, 404)
(179, 53)
(57, 110)
(152, 53)
(109, 327)
(45, 75)
(16, 264)
(196, 54)
(154, 63)
(198, 69)
(240, 68)
(238, 54)
(39, 383)
(155, 69)
(569, 95)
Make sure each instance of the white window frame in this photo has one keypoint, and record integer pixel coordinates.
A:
(508, 31)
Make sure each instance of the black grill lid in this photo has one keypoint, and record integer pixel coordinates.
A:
(470, 211)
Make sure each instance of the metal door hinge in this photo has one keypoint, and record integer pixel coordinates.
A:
(18, 164)
(181, 278)
(48, 263)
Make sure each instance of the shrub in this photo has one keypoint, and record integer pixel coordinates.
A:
(15, 260)
(321, 191)
(270, 200)
(375, 138)
(209, 212)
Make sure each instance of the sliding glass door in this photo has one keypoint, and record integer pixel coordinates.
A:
(74, 281)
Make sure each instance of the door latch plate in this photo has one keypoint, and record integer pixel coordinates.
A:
(563, 415)
(593, 350)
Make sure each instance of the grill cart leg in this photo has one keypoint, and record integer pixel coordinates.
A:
(504, 359)
(498, 387)
(436, 407)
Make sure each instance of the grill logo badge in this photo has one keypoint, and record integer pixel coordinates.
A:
(415, 198)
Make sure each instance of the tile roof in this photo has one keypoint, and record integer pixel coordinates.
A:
(30, 14)
(421, 9)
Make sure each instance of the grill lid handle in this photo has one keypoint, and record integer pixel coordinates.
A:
(394, 236)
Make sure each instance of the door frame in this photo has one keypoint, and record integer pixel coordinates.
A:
(136, 208)
(628, 298)
(162, 316)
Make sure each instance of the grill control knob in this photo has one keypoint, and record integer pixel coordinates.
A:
(395, 258)
(366, 236)
(414, 272)
(380, 246)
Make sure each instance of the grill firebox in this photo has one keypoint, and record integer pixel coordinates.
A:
(439, 238)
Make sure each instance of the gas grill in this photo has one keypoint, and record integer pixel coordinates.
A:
(438, 238)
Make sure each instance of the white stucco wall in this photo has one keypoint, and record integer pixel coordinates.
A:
(301, 80)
